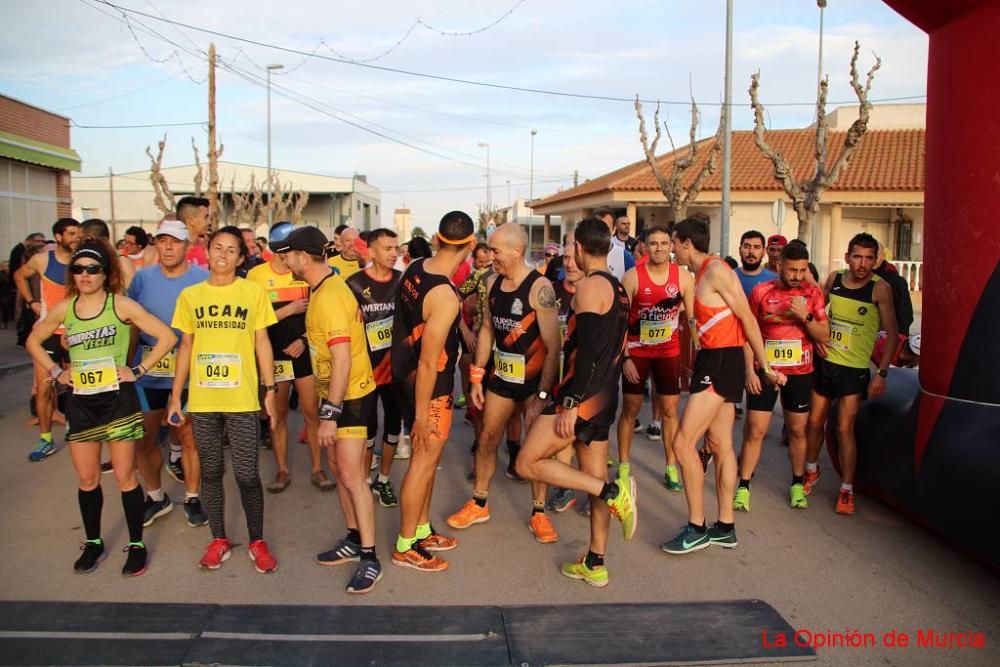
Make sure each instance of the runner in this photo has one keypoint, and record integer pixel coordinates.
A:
(292, 365)
(157, 289)
(424, 353)
(104, 406)
(520, 331)
(136, 242)
(95, 228)
(791, 313)
(193, 212)
(752, 270)
(375, 290)
(223, 322)
(51, 268)
(346, 263)
(345, 388)
(775, 242)
(583, 408)
(473, 293)
(724, 324)
(619, 260)
(860, 305)
(657, 290)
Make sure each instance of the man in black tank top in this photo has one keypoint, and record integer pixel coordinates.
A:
(520, 334)
(424, 353)
(584, 406)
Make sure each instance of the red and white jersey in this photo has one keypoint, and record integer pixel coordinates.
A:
(654, 315)
(787, 343)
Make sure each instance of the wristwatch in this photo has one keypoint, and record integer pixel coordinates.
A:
(542, 395)
(570, 402)
(137, 371)
(270, 387)
(809, 317)
(882, 372)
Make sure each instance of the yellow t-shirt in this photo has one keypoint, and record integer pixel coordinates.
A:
(224, 322)
(334, 316)
(281, 287)
(343, 267)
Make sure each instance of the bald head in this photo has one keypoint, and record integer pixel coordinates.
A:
(347, 239)
(511, 236)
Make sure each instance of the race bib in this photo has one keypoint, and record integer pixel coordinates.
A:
(379, 334)
(509, 366)
(94, 376)
(840, 336)
(783, 352)
(283, 371)
(654, 332)
(164, 368)
(218, 371)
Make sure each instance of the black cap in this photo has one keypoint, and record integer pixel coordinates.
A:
(308, 239)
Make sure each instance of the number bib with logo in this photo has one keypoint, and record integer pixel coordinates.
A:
(654, 332)
(840, 336)
(94, 376)
(509, 366)
(782, 353)
(283, 371)
(164, 368)
(218, 371)
(379, 334)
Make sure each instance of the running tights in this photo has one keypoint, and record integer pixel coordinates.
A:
(211, 429)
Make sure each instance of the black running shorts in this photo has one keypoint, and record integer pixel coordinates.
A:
(722, 370)
(835, 381)
(795, 395)
(110, 416)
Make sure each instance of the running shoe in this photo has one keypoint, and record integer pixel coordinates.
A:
(561, 500)
(706, 458)
(175, 470)
(739, 410)
(135, 562)
(217, 553)
(43, 450)
(654, 431)
(261, 556)
(741, 501)
(437, 542)
(376, 460)
(363, 580)
(196, 516)
(344, 551)
(385, 493)
(797, 497)
(461, 402)
(420, 559)
(597, 577)
(281, 481)
(93, 554)
(107, 468)
(623, 507)
(610, 462)
(722, 538)
(511, 471)
(153, 510)
(624, 470)
(469, 515)
(403, 448)
(585, 506)
(542, 528)
(322, 482)
(809, 480)
(687, 540)
(845, 502)
(672, 478)
(636, 425)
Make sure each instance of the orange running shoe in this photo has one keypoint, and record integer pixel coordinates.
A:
(437, 542)
(845, 502)
(469, 515)
(420, 559)
(809, 479)
(543, 529)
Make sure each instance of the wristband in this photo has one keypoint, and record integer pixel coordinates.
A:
(330, 412)
(476, 374)
(138, 371)
(55, 371)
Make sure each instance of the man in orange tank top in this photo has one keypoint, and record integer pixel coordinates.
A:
(724, 323)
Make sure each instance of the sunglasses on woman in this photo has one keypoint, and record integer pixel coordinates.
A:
(92, 269)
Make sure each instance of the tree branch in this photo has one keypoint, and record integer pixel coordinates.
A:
(710, 165)
(199, 174)
(859, 126)
(782, 170)
(650, 150)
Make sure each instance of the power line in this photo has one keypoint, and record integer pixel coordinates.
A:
(129, 127)
(118, 97)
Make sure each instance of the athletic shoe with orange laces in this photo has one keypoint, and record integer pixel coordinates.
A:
(809, 479)
(419, 558)
(845, 502)
(261, 556)
(469, 515)
(216, 554)
(437, 542)
(543, 529)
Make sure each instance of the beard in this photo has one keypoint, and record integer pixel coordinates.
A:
(747, 266)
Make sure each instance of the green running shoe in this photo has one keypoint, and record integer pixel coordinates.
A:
(687, 540)
(598, 577)
(624, 470)
(672, 479)
(722, 538)
(797, 497)
(460, 402)
(741, 503)
(623, 507)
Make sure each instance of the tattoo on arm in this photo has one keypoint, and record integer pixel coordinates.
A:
(546, 297)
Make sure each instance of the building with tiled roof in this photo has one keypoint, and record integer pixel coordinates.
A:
(881, 191)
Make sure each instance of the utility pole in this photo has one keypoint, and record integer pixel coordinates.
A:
(111, 191)
(270, 180)
(727, 140)
(814, 240)
(489, 184)
(213, 155)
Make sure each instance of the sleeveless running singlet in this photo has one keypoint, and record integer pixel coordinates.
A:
(654, 314)
(717, 325)
(97, 347)
(518, 340)
(52, 285)
(378, 303)
(854, 323)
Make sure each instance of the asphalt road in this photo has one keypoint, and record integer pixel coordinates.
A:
(874, 572)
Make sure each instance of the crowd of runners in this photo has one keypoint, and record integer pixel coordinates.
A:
(202, 341)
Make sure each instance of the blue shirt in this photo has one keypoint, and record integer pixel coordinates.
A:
(158, 294)
(748, 282)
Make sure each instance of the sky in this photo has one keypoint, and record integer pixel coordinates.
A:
(414, 137)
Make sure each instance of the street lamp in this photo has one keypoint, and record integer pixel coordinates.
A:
(489, 196)
(270, 182)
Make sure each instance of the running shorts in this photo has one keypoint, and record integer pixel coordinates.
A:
(392, 419)
(835, 381)
(110, 416)
(57, 353)
(795, 395)
(156, 398)
(722, 370)
(301, 367)
(666, 372)
(353, 422)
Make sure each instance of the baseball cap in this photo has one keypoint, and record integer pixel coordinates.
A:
(551, 249)
(309, 240)
(279, 233)
(777, 240)
(174, 228)
(914, 343)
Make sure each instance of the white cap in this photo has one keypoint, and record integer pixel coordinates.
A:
(174, 228)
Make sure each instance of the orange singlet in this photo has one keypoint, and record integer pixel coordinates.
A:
(717, 325)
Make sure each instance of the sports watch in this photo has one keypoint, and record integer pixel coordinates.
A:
(542, 395)
(570, 402)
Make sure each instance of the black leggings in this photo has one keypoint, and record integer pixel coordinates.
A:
(393, 420)
(241, 429)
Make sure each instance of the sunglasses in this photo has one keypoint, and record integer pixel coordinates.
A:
(92, 269)
(550, 255)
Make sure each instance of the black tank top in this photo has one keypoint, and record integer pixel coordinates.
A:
(408, 329)
(378, 303)
(518, 339)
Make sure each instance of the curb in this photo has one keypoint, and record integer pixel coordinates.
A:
(10, 369)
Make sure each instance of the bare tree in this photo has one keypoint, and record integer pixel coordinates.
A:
(806, 195)
(199, 174)
(163, 198)
(678, 197)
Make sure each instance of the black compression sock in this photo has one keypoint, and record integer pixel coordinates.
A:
(353, 536)
(724, 527)
(134, 504)
(593, 560)
(91, 504)
(700, 529)
(797, 479)
(537, 510)
(609, 492)
(368, 553)
(744, 483)
(480, 500)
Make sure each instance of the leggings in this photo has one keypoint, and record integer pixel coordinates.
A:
(393, 420)
(211, 429)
